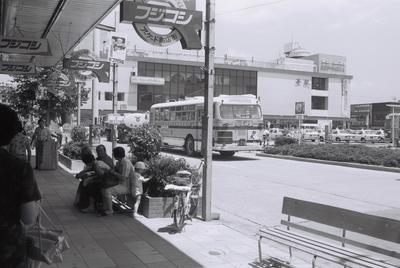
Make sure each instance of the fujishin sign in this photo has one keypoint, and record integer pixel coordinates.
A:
(8, 67)
(184, 24)
(100, 68)
(22, 45)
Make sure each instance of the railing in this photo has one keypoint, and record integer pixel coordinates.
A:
(281, 63)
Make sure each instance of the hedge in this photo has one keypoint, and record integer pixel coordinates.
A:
(341, 153)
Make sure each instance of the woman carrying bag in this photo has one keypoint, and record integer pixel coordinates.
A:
(18, 196)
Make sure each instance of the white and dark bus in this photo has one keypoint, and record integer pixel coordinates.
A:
(237, 123)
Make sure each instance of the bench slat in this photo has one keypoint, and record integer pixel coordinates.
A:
(347, 251)
(324, 251)
(374, 226)
(379, 250)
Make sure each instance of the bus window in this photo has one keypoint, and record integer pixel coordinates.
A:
(172, 116)
(192, 115)
(185, 116)
(166, 114)
(200, 114)
(178, 116)
(178, 108)
(228, 111)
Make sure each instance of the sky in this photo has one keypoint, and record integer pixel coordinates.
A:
(366, 32)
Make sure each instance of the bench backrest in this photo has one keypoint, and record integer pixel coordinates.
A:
(370, 225)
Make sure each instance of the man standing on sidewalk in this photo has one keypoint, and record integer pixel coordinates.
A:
(40, 135)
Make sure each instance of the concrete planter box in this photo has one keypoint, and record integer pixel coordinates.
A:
(156, 207)
(159, 207)
(70, 163)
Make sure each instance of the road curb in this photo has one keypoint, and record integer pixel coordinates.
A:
(335, 163)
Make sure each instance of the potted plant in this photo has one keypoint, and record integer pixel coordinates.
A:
(156, 201)
(145, 144)
(71, 152)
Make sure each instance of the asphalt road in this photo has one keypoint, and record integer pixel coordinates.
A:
(247, 190)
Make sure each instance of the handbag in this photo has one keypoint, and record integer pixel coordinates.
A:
(45, 244)
(109, 179)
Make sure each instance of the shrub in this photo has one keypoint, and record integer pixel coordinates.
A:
(79, 134)
(145, 142)
(279, 141)
(74, 149)
(161, 168)
(341, 153)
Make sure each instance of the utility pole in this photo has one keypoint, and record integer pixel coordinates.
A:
(95, 103)
(79, 103)
(115, 103)
(207, 130)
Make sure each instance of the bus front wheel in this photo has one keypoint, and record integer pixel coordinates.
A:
(189, 146)
(227, 153)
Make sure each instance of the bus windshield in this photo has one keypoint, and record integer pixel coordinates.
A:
(230, 111)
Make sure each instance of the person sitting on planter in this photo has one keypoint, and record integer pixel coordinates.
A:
(103, 156)
(124, 171)
(90, 187)
(137, 187)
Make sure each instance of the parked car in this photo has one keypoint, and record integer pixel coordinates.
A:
(275, 132)
(368, 135)
(311, 135)
(339, 135)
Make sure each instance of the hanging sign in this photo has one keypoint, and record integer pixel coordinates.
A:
(9, 67)
(299, 107)
(118, 48)
(22, 45)
(100, 68)
(185, 24)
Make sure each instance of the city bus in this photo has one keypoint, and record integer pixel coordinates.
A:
(237, 123)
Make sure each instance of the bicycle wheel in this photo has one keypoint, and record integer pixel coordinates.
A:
(179, 214)
(194, 202)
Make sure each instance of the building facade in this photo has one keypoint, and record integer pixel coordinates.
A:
(150, 76)
(371, 115)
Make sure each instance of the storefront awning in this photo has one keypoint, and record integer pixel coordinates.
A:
(63, 22)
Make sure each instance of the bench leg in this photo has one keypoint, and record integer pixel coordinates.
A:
(313, 261)
(259, 249)
(290, 254)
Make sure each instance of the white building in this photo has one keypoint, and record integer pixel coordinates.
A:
(157, 75)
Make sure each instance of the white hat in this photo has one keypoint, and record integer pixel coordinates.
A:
(140, 165)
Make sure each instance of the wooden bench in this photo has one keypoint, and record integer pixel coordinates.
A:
(323, 233)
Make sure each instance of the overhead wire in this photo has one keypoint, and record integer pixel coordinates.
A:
(250, 7)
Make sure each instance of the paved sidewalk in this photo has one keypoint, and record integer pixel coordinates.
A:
(120, 241)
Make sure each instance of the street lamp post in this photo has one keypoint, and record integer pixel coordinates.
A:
(393, 107)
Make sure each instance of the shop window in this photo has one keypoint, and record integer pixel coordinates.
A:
(108, 96)
(319, 103)
(319, 83)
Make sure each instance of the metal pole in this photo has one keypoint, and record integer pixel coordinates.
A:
(115, 103)
(208, 109)
(393, 126)
(79, 104)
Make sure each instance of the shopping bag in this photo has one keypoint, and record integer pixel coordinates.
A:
(45, 244)
(109, 179)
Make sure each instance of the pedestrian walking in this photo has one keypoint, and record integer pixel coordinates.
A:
(41, 135)
(20, 145)
(266, 137)
(18, 195)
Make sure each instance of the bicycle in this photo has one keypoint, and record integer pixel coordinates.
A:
(186, 186)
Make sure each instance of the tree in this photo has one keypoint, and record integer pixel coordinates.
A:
(41, 95)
